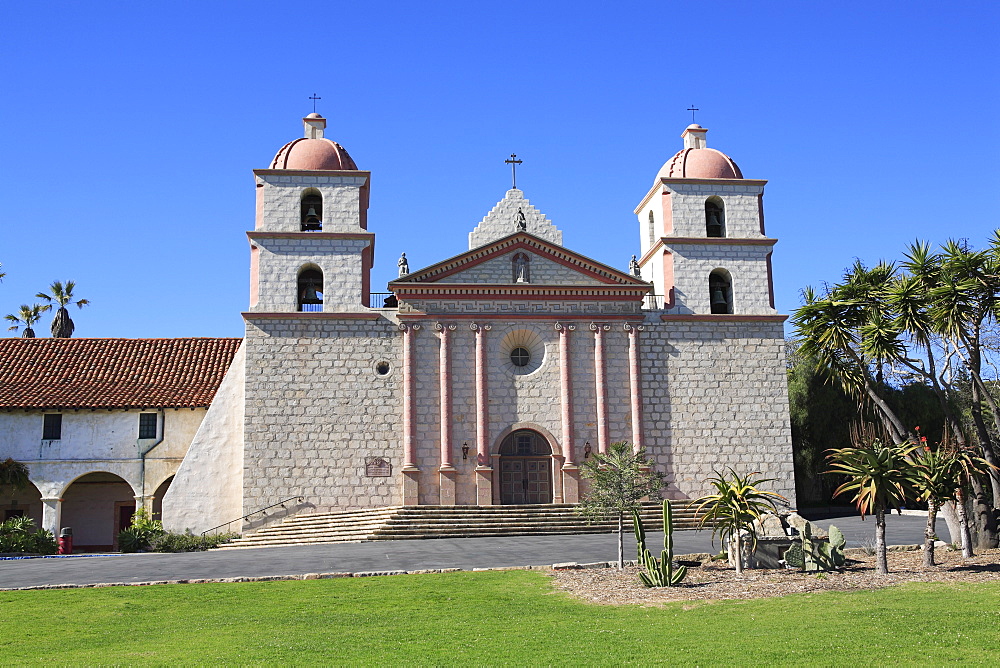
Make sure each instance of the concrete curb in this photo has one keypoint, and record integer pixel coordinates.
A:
(568, 565)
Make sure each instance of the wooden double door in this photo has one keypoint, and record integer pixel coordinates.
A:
(525, 480)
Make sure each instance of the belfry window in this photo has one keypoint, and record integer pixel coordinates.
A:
(310, 290)
(652, 229)
(521, 268)
(311, 210)
(720, 292)
(715, 217)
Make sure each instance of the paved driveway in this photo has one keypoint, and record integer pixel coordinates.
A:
(408, 555)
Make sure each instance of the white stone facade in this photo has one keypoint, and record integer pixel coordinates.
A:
(481, 348)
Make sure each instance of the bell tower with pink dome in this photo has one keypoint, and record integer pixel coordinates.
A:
(702, 240)
(310, 250)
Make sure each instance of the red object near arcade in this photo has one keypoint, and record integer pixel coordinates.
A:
(66, 541)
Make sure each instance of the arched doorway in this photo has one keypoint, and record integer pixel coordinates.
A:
(97, 506)
(525, 468)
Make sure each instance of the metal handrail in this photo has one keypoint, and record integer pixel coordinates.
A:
(281, 503)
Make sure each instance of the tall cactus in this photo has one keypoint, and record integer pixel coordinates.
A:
(658, 573)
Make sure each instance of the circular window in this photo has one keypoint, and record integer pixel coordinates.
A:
(383, 368)
(523, 352)
(520, 356)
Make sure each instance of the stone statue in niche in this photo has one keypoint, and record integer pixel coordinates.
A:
(634, 268)
(520, 268)
(520, 222)
(404, 265)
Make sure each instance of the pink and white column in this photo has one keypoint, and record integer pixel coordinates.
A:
(570, 469)
(446, 470)
(411, 473)
(635, 385)
(601, 383)
(484, 468)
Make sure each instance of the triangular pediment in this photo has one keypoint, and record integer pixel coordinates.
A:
(501, 262)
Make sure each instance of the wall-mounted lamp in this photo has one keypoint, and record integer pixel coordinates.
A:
(587, 450)
(465, 450)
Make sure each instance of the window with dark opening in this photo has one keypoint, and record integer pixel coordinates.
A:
(147, 425)
(52, 426)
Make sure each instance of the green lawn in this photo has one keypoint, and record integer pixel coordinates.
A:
(487, 618)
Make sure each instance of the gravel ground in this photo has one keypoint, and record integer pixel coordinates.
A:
(717, 581)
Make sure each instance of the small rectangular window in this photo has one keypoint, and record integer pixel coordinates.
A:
(52, 426)
(147, 425)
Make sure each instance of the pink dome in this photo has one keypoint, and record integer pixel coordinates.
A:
(700, 163)
(311, 154)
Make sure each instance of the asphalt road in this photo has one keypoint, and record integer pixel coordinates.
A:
(406, 555)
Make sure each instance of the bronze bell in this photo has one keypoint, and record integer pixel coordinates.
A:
(718, 299)
(312, 218)
(309, 294)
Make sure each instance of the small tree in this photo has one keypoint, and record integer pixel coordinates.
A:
(26, 317)
(62, 325)
(735, 506)
(881, 477)
(619, 480)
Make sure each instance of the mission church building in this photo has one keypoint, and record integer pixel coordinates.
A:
(486, 378)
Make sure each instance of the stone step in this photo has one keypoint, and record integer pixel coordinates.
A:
(423, 522)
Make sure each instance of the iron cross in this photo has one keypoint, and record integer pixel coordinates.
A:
(513, 162)
(314, 98)
(693, 109)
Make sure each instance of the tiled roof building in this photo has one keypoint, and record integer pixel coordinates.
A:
(112, 373)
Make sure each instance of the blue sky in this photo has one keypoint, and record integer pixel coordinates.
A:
(130, 130)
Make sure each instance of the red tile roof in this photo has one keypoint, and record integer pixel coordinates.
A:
(112, 373)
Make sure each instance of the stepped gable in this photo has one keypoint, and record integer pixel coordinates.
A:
(503, 219)
(112, 373)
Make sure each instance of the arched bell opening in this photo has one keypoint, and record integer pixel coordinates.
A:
(720, 292)
(311, 210)
(715, 217)
(526, 465)
(97, 506)
(310, 289)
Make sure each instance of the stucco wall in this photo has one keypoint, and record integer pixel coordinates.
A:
(208, 487)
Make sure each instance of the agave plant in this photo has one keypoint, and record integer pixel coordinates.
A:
(736, 505)
(880, 477)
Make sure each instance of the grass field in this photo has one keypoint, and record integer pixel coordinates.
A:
(488, 618)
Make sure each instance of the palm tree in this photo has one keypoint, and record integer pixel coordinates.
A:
(26, 317)
(62, 325)
(735, 506)
(881, 477)
(619, 480)
(13, 475)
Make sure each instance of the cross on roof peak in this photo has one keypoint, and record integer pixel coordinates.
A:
(513, 162)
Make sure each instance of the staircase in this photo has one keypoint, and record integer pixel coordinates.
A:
(418, 522)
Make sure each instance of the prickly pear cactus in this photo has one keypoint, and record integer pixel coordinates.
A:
(793, 556)
(815, 555)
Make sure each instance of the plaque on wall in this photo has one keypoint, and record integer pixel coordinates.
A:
(376, 467)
